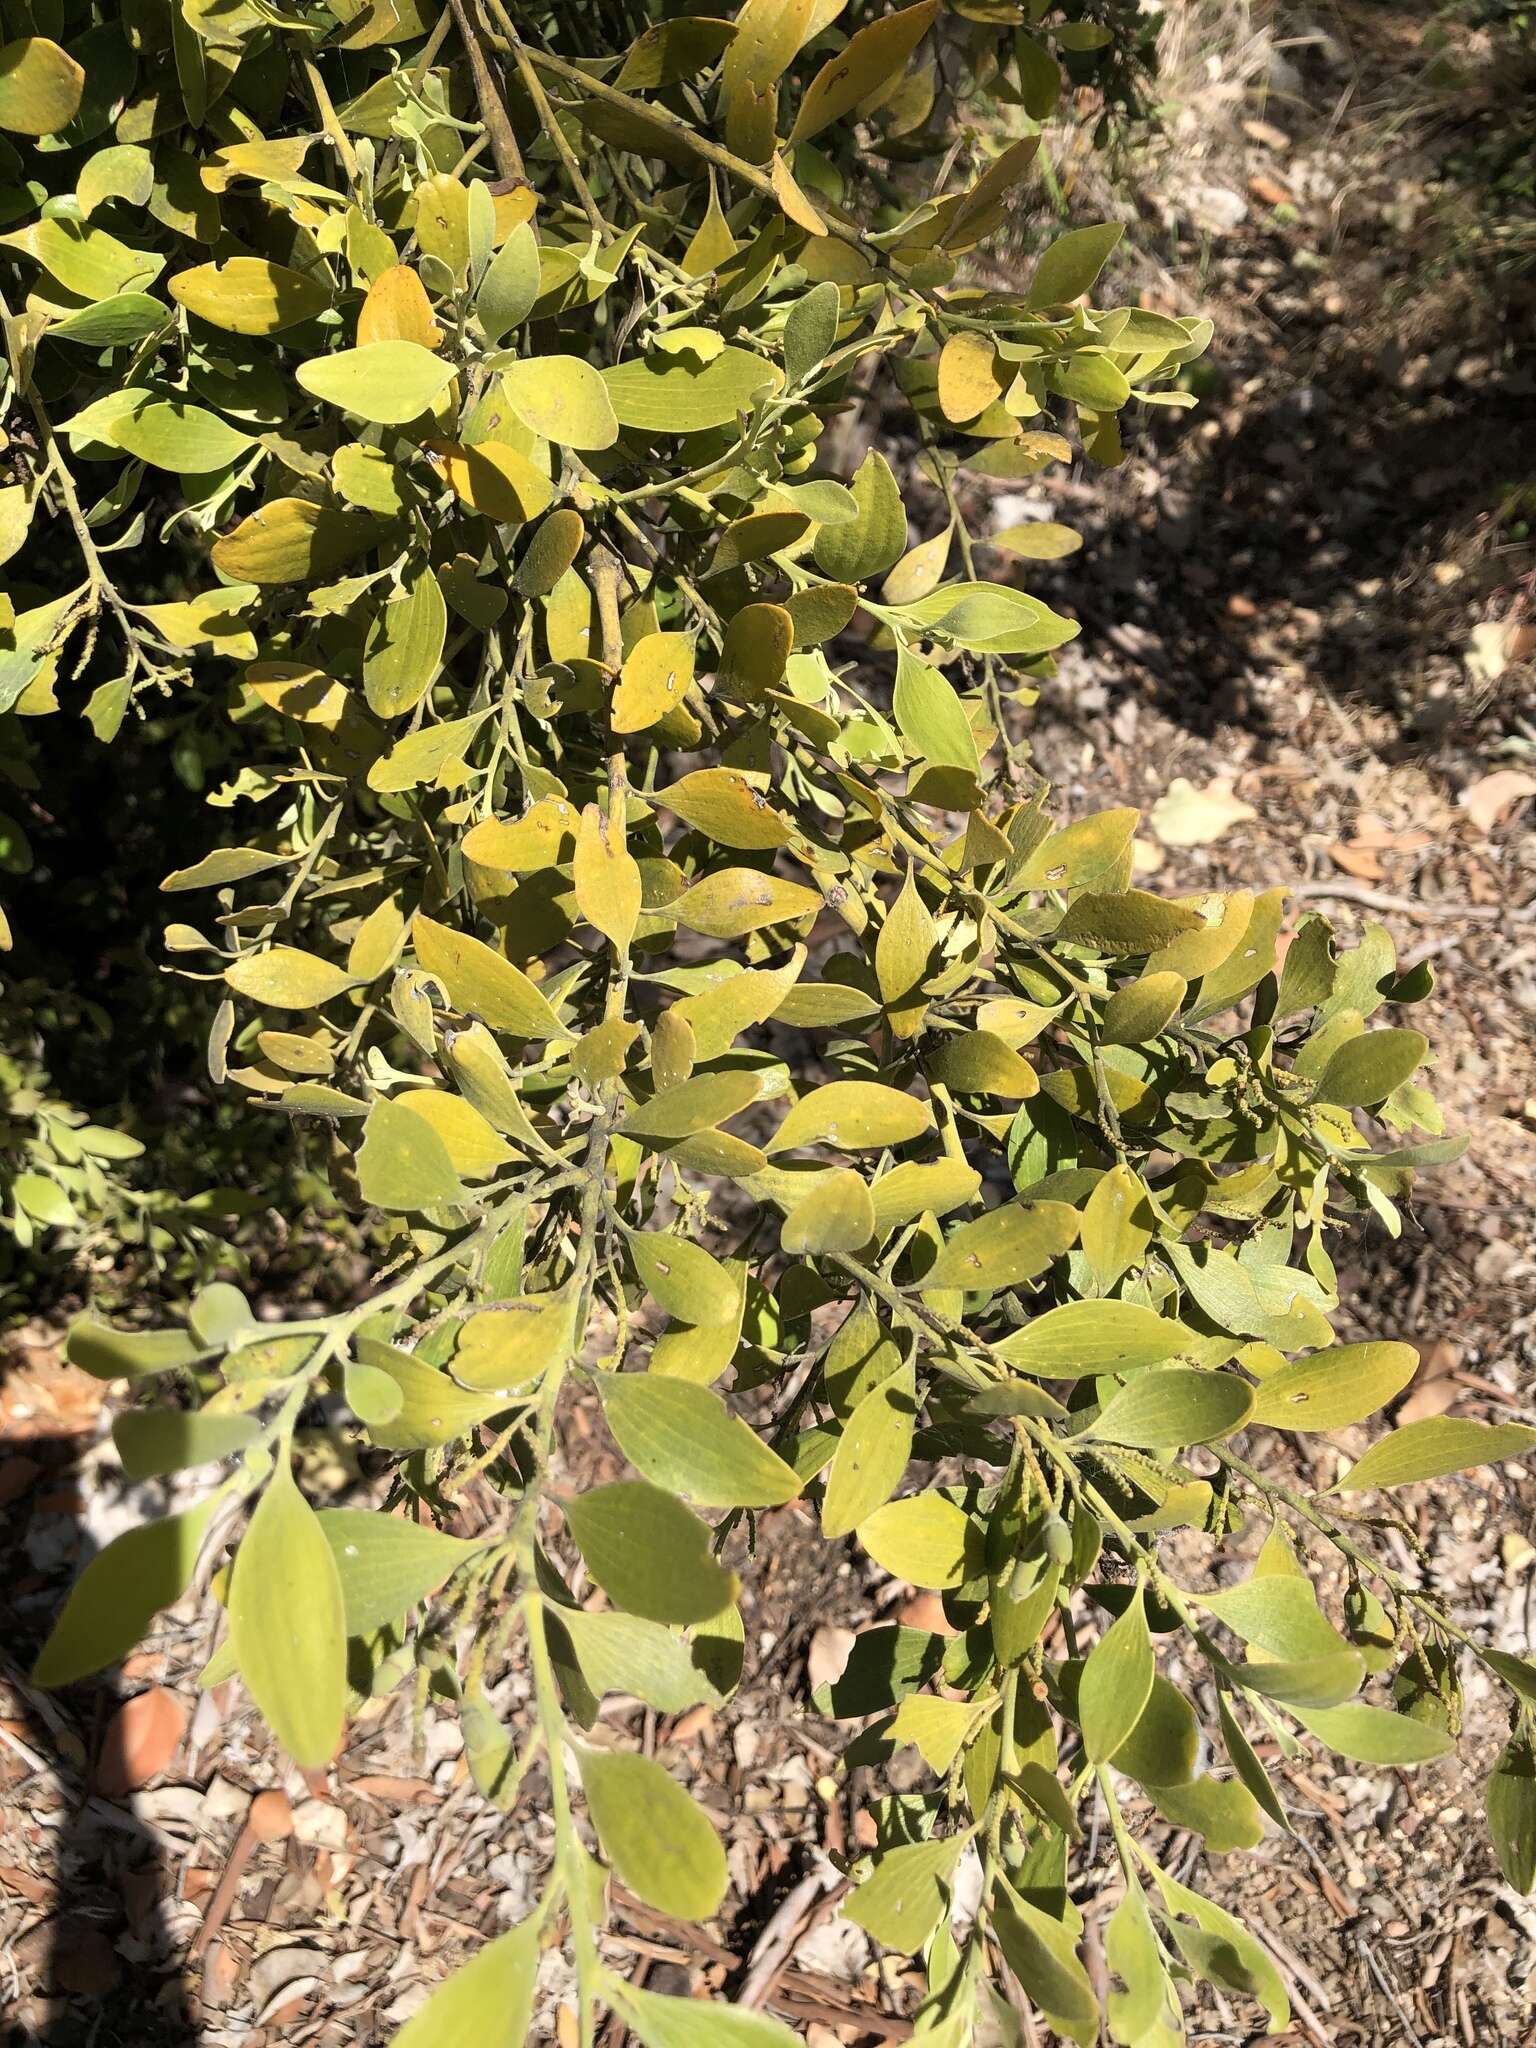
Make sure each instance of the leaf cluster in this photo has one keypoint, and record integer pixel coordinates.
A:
(637, 874)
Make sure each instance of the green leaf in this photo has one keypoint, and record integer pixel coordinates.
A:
(44, 1200)
(930, 716)
(649, 1554)
(607, 879)
(698, 1104)
(563, 399)
(1091, 380)
(1116, 1682)
(1163, 1748)
(386, 1564)
(732, 811)
(1278, 1614)
(1250, 1770)
(1170, 1406)
(510, 285)
(152, 1441)
(924, 1539)
(224, 865)
(1365, 1070)
(418, 758)
(869, 60)
(287, 1623)
(1334, 1388)
(1434, 1447)
(981, 1063)
(810, 331)
(868, 544)
(431, 1409)
(735, 901)
(885, 1664)
(1233, 1957)
(664, 2022)
(1128, 921)
(373, 1396)
(872, 1454)
(122, 322)
(118, 1595)
(108, 1354)
(488, 2000)
(1084, 1338)
(1132, 1952)
(907, 1190)
(1143, 1009)
(516, 1342)
(1223, 1810)
(388, 382)
(684, 1439)
(673, 394)
(654, 1834)
(990, 618)
(1374, 1735)
(403, 1164)
(1041, 1955)
(903, 1902)
(684, 1278)
(1071, 265)
(293, 540)
(902, 955)
(170, 434)
(1118, 1225)
(1511, 1802)
(1004, 1248)
(85, 260)
(404, 648)
(625, 1653)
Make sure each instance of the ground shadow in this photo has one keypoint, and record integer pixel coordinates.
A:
(1335, 526)
(96, 1965)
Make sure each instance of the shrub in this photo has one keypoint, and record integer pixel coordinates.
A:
(638, 876)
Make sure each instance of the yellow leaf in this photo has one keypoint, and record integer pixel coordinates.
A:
(248, 295)
(481, 982)
(792, 201)
(543, 837)
(724, 804)
(736, 901)
(286, 978)
(713, 243)
(397, 309)
(493, 479)
(836, 1216)
(293, 540)
(40, 87)
(607, 877)
(655, 679)
(297, 691)
(968, 376)
(868, 61)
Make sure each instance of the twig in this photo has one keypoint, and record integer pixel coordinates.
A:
(781, 1937)
(1405, 906)
(493, 112)
(1369, 1959)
